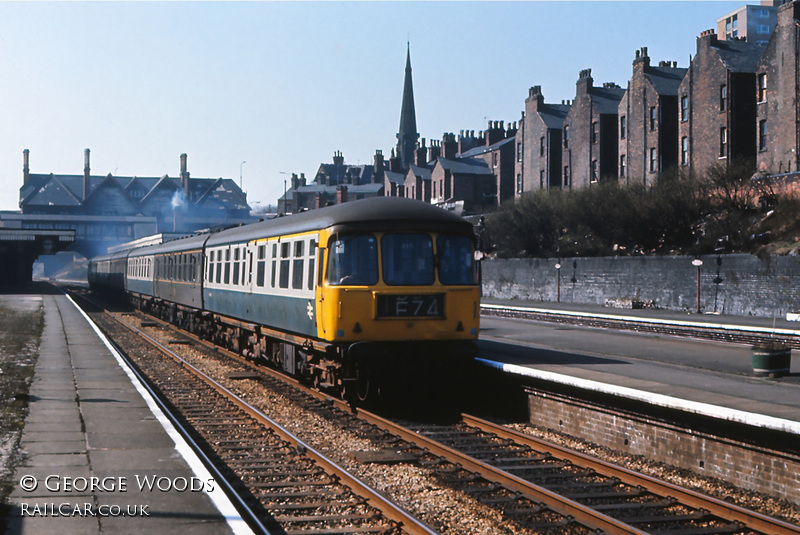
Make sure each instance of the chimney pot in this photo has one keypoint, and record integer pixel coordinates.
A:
(25, 167)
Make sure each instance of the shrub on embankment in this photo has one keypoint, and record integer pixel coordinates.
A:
(724, 211)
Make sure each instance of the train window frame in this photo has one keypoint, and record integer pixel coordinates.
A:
(245, 271)
(226, 278)
(450, 269)
(261, 265)
(333, 273)
(396, 271)
(274, 263)
(298, 263)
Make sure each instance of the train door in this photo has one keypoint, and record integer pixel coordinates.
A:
(319, 286)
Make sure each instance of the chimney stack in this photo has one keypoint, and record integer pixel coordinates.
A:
(449, 146)
(420, 154)
(26, 170)
(184, 176)
(86, 169)
(378, 167)
(341, 194)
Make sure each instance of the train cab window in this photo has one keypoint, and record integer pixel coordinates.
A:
(353, 260)
(407, 259)
(261, 265)
(456, 263)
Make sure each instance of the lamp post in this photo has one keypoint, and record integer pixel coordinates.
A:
(697, 263)
(558, 282)
(240, 174)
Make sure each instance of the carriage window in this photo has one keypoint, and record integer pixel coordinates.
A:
(297, 268)
(407, 259)
(311, 273)
(312, 251)
(261, 265)
(236, 268)
(211, 268)
(274, 263)
(456, 265)
(353, 260)
(219, 266)
(285, 264)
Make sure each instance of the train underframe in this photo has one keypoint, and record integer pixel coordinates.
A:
(357, 371)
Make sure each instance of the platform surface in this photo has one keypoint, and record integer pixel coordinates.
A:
(711, 378)
(87, 420)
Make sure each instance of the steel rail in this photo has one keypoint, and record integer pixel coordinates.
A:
(687, 329)
(724, 510)
(392, 511)
(555, 502)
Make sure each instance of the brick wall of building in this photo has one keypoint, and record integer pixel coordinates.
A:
(710, 112)
(779, 65)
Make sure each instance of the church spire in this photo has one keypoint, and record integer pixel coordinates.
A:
(408, 135)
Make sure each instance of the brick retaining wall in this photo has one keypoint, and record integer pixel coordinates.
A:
(743, 465)
(739, 284)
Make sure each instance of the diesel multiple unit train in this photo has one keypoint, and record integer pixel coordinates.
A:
(334, 295)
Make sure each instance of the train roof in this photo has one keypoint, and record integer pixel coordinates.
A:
(365, 214)
(182, 244)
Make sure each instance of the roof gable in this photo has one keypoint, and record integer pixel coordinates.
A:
(52, 192)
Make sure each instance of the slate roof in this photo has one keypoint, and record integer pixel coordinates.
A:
(395, 178)
(67, 190)
(606, 99)
(330, 191)
(359, 174)
(486, 148)
(465, 166)
(737, 55)
(553, 115)
(665, 80)
(423, 172)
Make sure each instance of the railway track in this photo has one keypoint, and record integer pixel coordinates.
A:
(536, 486)
(702, 330)
(287, 486)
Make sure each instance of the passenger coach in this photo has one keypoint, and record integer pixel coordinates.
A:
(332, 294)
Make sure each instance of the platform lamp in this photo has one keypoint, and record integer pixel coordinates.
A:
(697, 263)
(558, 281)
(240, 174)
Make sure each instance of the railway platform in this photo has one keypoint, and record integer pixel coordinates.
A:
(686, 402)
(710, 378)
(96, 453)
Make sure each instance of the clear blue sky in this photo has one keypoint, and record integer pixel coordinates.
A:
(283, 85)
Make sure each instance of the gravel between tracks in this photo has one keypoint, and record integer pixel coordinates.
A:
(719, 489)
(447, 510)
(410, 486)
